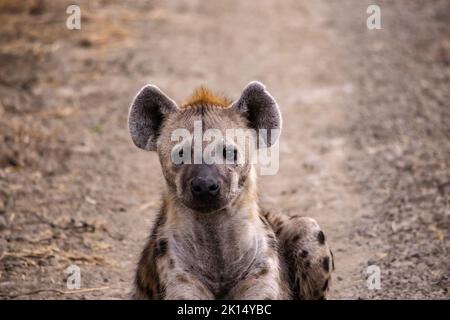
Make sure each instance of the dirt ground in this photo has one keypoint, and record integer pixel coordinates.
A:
(365, 147)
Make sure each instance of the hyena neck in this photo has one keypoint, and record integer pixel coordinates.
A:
(218, 245)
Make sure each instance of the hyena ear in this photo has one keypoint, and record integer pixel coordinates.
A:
(147, 114)
(262, 112)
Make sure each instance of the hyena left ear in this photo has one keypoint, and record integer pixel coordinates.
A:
(146, 115)
(261, 110)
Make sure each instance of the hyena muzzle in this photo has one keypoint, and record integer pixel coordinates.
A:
(211, 239)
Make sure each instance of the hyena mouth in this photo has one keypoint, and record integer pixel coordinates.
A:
(206, 204)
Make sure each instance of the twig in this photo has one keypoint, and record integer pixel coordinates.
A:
(86, 290)
(30, 293)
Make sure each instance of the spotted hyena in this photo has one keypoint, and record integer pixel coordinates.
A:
(211, 238)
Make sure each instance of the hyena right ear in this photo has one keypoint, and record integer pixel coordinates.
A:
(262, 112)
(147, 114)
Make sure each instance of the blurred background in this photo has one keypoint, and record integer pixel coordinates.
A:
(365, 147)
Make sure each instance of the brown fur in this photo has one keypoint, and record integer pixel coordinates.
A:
(147, 282)
(204, 96)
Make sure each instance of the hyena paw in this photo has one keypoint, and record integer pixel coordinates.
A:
(309, 259)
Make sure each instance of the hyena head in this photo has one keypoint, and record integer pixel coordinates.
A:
(207, 144)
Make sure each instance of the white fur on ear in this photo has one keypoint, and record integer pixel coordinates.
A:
(261, 110)
(146, 115)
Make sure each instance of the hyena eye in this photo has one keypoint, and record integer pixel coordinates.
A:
(177, 156)
(181, 154)
(230, 154)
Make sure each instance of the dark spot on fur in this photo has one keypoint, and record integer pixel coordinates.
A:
(321, 237)
(326, 264)
(182, 278)
(304, 254)
(222, 293)
(296, 290)
(262, 272)
(161, 291)
(161, 248)
(171, 263)
(295, 238)
(141, 286)
(325, 285)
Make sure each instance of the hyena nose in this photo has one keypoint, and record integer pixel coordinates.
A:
(208, 186)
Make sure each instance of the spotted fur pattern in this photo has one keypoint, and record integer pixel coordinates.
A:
(308, 259)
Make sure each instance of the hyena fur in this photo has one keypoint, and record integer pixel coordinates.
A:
(211, 239)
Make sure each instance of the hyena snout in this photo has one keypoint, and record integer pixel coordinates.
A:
(207, 188)
(205, 184)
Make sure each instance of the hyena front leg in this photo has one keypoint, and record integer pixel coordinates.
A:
(308, 258)
(262, 283)
(181, 285)
(158, 276)
(265, 280)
